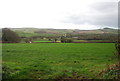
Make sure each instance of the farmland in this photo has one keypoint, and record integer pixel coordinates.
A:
(54, 60)
(75, 35)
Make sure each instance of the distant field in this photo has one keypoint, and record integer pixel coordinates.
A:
(41, 41)
(54, 60)
(30, 32)
(21, 34)
(80, 41)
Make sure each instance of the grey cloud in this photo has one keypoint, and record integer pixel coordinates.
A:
(102, 14)
(105, 6)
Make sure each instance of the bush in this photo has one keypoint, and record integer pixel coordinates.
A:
(9, 36)
(66, 40)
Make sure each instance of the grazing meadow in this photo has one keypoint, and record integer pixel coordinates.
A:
(55, 60)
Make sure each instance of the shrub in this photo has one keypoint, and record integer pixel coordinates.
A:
(66, 40)
(9, 36)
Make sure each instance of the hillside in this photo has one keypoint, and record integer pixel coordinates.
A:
(29, 32)
(75, 35)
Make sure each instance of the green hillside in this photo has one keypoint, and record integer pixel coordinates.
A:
(29, 32)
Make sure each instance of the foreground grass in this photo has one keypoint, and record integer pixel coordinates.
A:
(54, 60)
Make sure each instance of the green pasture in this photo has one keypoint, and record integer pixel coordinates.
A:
(42, 41)
(55, 60)
(80, 41)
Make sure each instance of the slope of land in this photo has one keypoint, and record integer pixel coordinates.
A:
(29, 32)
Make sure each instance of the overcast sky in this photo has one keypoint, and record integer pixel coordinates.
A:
(59, 14)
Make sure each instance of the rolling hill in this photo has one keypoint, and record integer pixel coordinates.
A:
(29, 32)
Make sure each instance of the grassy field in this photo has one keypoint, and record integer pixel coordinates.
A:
(54, 60)
(42, 41)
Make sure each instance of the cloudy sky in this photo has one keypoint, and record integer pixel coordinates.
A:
(59, 14)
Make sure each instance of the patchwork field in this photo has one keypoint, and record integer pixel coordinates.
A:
(55, 60)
